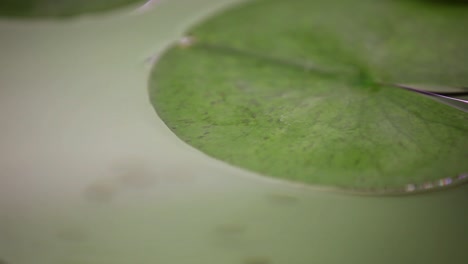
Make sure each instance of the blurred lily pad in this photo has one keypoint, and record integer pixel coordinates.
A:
(58, 8)
(302, 91)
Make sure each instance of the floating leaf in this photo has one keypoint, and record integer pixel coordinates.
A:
(307, 91)
(57, 8)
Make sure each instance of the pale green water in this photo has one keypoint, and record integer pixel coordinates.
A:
(90, 175)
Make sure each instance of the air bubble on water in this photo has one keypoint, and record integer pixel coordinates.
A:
(410, 187)
(441, 183)
(428, 185)
(445, 182)
(463, 176)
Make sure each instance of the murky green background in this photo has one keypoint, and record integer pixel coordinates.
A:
(90, 175)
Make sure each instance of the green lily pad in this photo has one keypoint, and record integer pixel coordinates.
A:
(302, 91)
(57, 8)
